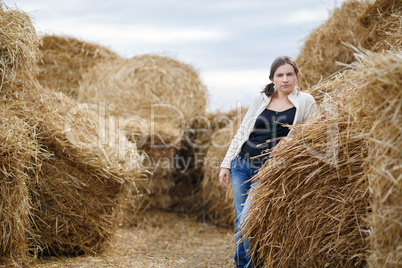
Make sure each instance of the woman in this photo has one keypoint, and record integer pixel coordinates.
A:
(278, 104)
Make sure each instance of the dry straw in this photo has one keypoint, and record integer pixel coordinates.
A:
(65, 59)
(18, 48)
(18, 56)
(372, 25)
(216, 203)
(18, 152)
(85, 171)
(146, 85)
(152, 96)
(382, 92)
(72, 167)
(321, 201)
(200, 134)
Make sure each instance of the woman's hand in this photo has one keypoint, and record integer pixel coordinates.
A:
(224, 177)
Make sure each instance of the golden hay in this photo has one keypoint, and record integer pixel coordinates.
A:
(313, 199)
(160, 240)
(199, 136)
(216, 203)
(383, 95)
(372, 25)
(18, 56)
(18, 152)
(152, 97)
(65, 59)
(86, 171)
(147, 85)
(18, 48)
(82, 168)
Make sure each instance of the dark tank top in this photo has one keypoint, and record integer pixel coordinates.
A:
(268, 125)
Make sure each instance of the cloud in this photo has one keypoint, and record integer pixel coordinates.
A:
(305, 15)
(228, 89)
(233, 42)
(138, 33)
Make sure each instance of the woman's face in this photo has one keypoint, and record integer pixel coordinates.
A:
(285, 78)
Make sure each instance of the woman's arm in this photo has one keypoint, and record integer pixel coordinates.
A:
(242, 133)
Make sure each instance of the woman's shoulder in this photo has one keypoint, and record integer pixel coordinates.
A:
(258, 98)
(306, 96)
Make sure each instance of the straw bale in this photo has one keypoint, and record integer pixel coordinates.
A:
(83, 167)
(200, 130)
(307, 211)
(371, 25)
(85, 170)
(383, 95)
(314, 200)
(146, 85)
(160, 165)
(88, 170)
(65, 59)
(18, 152)
(382, 21)
(152, 96)
(18, 48)
(18, 56)
(216, 204)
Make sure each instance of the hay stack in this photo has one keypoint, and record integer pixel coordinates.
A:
(309, 212)
(372, 25)
(313, 198)
(200, 131)
(383, 94)
(87, 170)
(152, 96)
(146, 85)
(160, 154)
(18, 153)
(78, 173)
(18, 149)
(18, 47)
(65, 59)
(216, 203)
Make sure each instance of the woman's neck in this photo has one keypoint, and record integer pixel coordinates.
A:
(280, 96)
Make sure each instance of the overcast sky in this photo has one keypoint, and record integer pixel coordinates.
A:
(231, 43)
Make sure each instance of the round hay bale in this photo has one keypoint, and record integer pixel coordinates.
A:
(18, 151)
(314, 197)
(97, 178)
(65, 59)
(371, 25)
(80, 170)
(86, 172)
(18, 47)
(382, 104)
(152, 96)
(160, 151)
(308, 210)
(200, 131)
(147, 85)
(18, 57)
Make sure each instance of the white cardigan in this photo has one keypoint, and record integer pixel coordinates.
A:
(305, 107)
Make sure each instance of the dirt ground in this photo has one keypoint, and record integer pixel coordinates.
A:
(161, 240)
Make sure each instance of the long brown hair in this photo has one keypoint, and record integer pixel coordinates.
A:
(269, 89)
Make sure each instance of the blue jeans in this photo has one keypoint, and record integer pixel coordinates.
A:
(240, 173)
